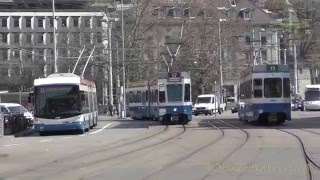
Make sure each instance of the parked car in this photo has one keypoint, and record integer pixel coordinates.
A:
(234, 109)
(297, 104)
(14, 108)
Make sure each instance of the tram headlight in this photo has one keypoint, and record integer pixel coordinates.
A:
(174, 109)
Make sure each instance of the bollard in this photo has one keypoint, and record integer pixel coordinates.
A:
(1, 125)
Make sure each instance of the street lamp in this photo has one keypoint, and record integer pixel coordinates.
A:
(220, 60)
(54, 37)
(123, 67)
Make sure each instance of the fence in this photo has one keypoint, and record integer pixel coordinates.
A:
(1, 125)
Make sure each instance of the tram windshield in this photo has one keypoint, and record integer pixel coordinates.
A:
(272, 87)
(57, 101)
(174, 92)
(312, 95)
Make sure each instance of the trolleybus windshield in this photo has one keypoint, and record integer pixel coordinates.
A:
(57, 101)
(312, 95)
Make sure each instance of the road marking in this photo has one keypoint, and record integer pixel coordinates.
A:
(46, 140)
(66, 138)
(82, 135)
(8, 145)
(101, 129)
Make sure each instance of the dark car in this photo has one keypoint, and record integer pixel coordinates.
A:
(234, 109)
(297, 104)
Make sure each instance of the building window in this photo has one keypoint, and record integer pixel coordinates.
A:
(51, 37)
(99, 37)
(4, 21)
(87, 22)
(4, 54)
(76, 38)
(51, 22)
(87, 38)
(16, 38)
(28, 38)
(63, 21)
(40, 54)
(40, 22)
(29, 55)
(28, 22)
(201, 14)
(233, 3)
(75, 22)
(15, 54)
(246, 15)
(40, 38)
(177, 13)
(161, 13)
(263, 40)
(264, 55)
(248, 40)
(15, 21)
(99, 22)
(4, 37)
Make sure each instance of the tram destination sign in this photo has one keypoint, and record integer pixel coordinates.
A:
(174, 77)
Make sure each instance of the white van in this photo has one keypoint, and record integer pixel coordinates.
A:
(206, 104)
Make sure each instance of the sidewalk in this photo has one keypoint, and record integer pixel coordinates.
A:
(107, 117)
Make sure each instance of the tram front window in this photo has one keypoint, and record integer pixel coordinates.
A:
(57, 101)
(174, 92)
(272, 87)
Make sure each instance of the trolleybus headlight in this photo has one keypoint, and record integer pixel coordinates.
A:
(35, 121)
(78, 119)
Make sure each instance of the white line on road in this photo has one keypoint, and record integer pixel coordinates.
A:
(101, 129)
(8, 145)
(66, 138)
(46, 140)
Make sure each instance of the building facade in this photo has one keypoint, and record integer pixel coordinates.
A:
(27, 38)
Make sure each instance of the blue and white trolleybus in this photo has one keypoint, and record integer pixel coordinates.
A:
(64, 102)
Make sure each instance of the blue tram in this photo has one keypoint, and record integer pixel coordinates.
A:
(167, 99)
(265, 94)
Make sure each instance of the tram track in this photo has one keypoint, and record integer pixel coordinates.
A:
(96, 160)
(190, 154)
(232, 152)
(309, 161)
(309, 131)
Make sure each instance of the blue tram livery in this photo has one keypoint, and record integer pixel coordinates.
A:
(167, 98)
(265, 94)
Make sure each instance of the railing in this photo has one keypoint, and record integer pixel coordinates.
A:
(1, 125)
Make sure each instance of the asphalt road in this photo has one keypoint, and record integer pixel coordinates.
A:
(209, 147)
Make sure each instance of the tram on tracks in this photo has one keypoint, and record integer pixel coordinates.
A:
(167, 98)
(265, 94)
